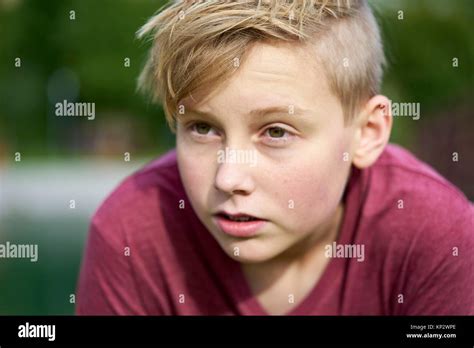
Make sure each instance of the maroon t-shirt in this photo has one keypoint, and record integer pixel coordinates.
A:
(146, 255)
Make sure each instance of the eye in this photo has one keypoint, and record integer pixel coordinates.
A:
(276, 132)
(276, 135)
(202, 130)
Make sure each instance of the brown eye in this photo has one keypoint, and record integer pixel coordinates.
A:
(276, 132)
(202, 128)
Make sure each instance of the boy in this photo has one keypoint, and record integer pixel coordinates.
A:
(282, 196)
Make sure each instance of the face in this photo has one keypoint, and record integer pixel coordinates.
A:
(269, 143)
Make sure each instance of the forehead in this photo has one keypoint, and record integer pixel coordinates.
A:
(282, 74)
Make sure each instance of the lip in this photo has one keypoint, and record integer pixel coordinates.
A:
(236, 228)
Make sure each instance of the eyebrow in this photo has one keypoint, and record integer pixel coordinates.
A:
(289, 109)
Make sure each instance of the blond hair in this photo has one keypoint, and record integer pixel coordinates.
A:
(196, 44)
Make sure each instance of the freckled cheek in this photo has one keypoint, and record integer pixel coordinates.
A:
(306, 188)
(307, 196)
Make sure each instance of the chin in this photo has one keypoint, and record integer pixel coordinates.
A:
(249, 260)
(249, 253)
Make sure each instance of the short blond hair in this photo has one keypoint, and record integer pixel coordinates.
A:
(196, 43)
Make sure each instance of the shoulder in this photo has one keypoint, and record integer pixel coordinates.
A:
(138, 208)
(143, 190)
(420, 227)
(406, 189)
(127, 228)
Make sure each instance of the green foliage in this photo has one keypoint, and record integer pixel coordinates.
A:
(420, 48)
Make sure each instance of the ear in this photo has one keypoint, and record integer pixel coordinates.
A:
(373, 129)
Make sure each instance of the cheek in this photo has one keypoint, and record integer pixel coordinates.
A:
(303, 188)
(310, 191)
(194, 175)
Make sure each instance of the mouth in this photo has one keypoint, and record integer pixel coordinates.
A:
(238, 217)
(239, 224)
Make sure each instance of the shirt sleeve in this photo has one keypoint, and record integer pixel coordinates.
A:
(106, 283)
(440, 272)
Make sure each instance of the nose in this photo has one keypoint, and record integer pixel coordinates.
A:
(234, 178)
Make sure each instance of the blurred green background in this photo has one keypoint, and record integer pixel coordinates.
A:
(84, 60)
